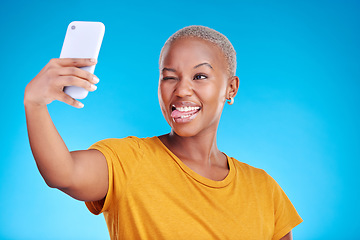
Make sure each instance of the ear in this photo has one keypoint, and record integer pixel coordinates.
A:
(233, 86)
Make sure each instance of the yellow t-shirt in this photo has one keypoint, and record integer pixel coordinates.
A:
(153, 195)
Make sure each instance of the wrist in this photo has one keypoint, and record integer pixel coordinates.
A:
(32, 104)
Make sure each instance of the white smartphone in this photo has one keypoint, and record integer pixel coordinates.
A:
(82, 40)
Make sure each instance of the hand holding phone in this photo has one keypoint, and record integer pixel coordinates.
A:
(82, 40)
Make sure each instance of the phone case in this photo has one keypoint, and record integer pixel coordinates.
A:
(82, 40)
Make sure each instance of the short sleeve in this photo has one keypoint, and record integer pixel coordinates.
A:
(122, 156)
(286, 216)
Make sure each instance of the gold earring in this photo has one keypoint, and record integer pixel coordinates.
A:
(231, 102)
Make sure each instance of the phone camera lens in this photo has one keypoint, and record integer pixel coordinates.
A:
(73, 27)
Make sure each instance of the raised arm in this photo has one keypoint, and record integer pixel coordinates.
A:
(82, 174)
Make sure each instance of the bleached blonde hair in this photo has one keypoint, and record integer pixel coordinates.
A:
(210, 35)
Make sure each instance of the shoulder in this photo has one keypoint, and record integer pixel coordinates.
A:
(130, 144)
(115, 142)
(272, 199)
(244, 168)
(254, 175)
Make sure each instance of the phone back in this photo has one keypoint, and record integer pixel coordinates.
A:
(82, 40)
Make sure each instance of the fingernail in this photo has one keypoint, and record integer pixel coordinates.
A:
(93, 87)
(95, 79)
(81, 105)
(92, 60)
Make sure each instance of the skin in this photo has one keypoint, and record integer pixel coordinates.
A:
(287, 236)
(81, 174)
(192, 71)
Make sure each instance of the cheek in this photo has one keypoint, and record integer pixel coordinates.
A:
(213, 93)
(164, 100)
(163, 96)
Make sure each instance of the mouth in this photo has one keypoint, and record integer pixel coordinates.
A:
(184, 112)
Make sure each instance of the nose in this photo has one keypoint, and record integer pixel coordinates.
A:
(184, 88)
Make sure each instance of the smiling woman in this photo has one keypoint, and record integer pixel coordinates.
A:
(175, 186)
(193, 74)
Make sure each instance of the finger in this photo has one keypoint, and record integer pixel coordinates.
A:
(76, 81)
(74, 62)
(74, 71)
(69, 100)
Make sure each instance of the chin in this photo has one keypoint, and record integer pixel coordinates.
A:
(184, 134)
(185, 131)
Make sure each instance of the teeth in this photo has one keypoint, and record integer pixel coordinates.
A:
(187, 109)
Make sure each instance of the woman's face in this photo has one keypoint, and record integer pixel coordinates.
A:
(193, 86)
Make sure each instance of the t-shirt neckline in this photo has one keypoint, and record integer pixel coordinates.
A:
(199, 178)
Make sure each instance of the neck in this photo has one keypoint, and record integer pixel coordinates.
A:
(200, 149)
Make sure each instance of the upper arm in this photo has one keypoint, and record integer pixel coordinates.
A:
(287, 236)
(90, 176)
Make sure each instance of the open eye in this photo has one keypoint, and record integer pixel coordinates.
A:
(200, 76)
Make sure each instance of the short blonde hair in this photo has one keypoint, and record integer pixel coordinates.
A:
(212, 36)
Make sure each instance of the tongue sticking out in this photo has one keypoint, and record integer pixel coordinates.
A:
(177, 114)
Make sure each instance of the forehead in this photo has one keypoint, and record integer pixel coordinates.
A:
(191, 51)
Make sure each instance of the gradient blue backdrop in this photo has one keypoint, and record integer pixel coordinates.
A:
(296, 114)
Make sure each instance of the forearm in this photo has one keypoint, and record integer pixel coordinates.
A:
(82, 175)
(52, 157)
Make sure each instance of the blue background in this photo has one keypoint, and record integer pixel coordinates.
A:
(296, 114)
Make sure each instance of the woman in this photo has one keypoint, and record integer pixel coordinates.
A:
(175, 186)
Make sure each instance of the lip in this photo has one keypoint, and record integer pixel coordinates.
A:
(186, 119)
(181, 116)
(184, 104)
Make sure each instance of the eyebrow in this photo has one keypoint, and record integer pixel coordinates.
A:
(199, 65)
(168, 69)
